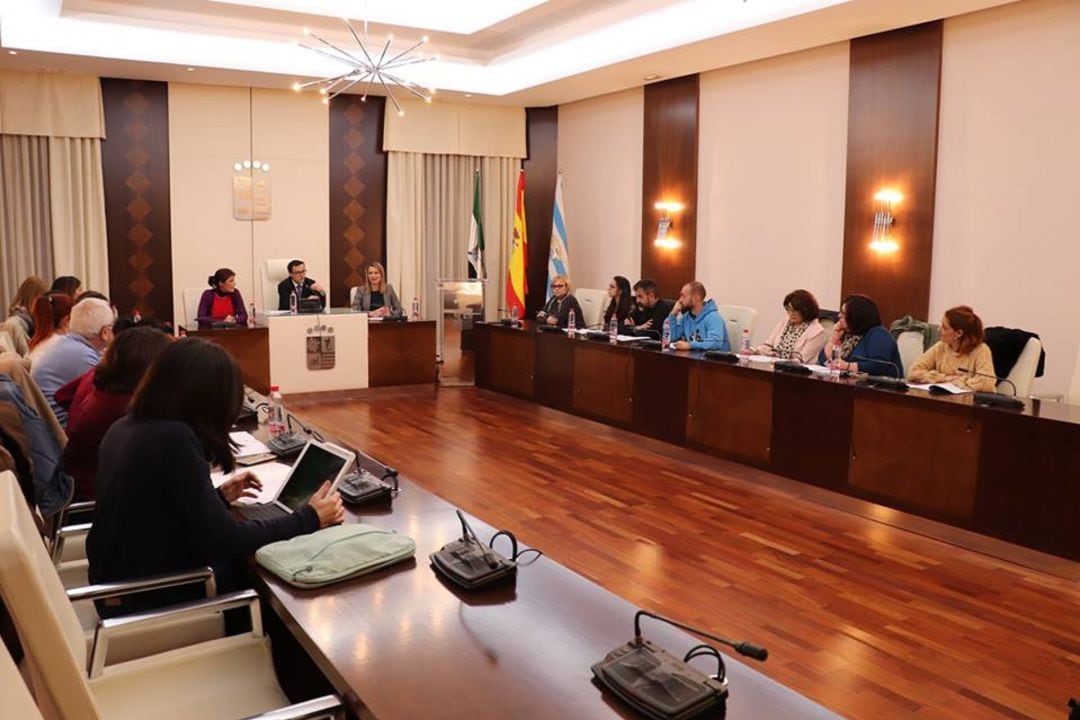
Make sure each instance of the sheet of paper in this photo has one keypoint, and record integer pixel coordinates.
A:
(630, 338)
(951, 387)
(248, 445)
(272, 475)
(818, 369)
(764, 358)
(276, 312)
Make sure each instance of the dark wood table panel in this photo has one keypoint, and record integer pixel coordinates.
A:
(554, 370)
(811, 431)
(603, 381)
(730, 410)
(660, 404)
(1029, 482)
(250, 348)
(401, 353)
(915, 455)
(510, 362)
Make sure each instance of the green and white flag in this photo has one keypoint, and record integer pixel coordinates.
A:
(476, 234)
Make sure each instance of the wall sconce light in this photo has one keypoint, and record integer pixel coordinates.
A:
(882, 240)
(667, 209)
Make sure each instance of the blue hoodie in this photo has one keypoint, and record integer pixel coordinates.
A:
(706, 331)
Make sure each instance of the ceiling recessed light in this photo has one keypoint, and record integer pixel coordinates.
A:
(191, 69)
(12, 52)
(468, 94)
(650, 78)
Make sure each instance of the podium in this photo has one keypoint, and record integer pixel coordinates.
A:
(461, 303)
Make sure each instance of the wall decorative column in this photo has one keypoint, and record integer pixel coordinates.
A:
(357, 191)
(670, 175)
(135, 168)
(541, 168)
(892, 147)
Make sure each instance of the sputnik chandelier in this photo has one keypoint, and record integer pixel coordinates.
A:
(366, 67)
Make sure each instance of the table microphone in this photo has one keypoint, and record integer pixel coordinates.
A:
(988, 375)
(996, 399)
(899, 373)
(881, 381)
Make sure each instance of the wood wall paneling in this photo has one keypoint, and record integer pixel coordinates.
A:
(401, 353)
(811, 432)
(541, 169)
(603, 382)
(135, 172)
(730, 411)
(357, 192)
(892, 143)
(670, 173)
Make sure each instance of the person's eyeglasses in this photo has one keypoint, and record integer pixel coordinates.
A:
(558, 285)
(299, 272)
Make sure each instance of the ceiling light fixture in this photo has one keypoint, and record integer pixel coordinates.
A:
(12, 52)
(372, 67)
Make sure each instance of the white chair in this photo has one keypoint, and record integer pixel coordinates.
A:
(274, 271)
(191, 297)
(353, 292)
(737, 319)
(227, 678)
(910, 344)
(1023, 372)
(15, 698)
(593, 303)
(1073, 395)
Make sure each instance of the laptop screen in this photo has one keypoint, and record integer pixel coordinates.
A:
(315, 466)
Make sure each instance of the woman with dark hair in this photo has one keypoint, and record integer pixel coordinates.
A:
(52, 313)
(222, 303)
(961, 357)
(622, 301)
(67, 284)
(100, 397)
(799, 336)
(863, 342)
(19, 324)
(157, 511)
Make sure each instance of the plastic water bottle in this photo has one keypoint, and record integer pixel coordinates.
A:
(571, 324)
(415, 309)
(136, 317)
(292, 303)
(514, 316)
(665, 335)
(834, 364)
(613, 329)
(251, 316)
(745, 350)
(275, 414)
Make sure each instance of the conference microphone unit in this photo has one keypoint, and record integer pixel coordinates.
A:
(362, 487)
(995, 399)
(722, 356)
(791, 368)
(661, 686)
(470, 564)
(882, 382)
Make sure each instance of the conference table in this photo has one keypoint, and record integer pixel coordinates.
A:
(333, 350)
(402, 644)
(1010, 474)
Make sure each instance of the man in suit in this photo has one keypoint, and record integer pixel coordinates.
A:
(298, 284)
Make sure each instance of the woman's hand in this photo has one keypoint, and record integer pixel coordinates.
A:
(552, 320)
(231, 319)
(327, 506)
(244, 485)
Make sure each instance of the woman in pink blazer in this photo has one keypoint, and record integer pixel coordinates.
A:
(799, 336)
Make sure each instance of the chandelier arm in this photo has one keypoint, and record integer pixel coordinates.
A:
(403, 52)
(408, 86)
(331, 97)
(390, 95)
(403, 63)
(371, 79)
(335, 48)
(355, 63)
(358, 42)
(382, 56)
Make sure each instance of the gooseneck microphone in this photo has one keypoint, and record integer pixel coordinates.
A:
(743, 648)
(988, 375)
(881, 381)
(899, 372)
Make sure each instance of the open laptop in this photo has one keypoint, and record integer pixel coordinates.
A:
(318, 462)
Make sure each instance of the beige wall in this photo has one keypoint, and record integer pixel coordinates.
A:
(1008, 155)
(211, 128)
(771, 168)
(600, 146)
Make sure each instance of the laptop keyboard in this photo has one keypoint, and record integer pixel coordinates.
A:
(261, 512)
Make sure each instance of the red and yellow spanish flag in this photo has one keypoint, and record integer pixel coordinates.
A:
(516, 285)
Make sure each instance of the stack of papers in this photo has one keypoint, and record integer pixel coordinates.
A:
(272, 475)
(248, 445)
(950, 387)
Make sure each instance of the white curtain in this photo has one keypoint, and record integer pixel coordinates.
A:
(80, 245)
(25, 219)
(429, 206)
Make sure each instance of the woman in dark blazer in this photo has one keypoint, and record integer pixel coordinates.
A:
(865, 344)
(222, 303)
(377, 296)
(622, 301)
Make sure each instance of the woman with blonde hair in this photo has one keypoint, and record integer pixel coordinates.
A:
(960, 357)
(19, 324)
(557, 310)
(376, 296)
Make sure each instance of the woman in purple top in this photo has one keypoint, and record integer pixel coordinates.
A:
(222, 303)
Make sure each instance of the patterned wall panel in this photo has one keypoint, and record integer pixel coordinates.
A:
(357, 191)
(135, 166)
(541, 170)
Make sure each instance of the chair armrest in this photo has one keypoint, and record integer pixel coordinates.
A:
(73, 508)
(62, 535)
(327, 706)
(101, 591)
(157, 618)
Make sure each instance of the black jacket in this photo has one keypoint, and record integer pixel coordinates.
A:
(562, 309)
(157, 512)
(285, 289)
(1006, 344)
(657, 313)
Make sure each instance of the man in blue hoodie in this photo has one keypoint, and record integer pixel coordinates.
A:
(695, 323)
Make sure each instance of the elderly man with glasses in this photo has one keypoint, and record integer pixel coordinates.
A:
(562, 303)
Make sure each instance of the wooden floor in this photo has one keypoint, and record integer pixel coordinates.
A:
(869, 619)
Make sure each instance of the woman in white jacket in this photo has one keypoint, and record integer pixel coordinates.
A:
(799, 336)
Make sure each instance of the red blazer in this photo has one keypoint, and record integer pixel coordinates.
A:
(91, 412)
